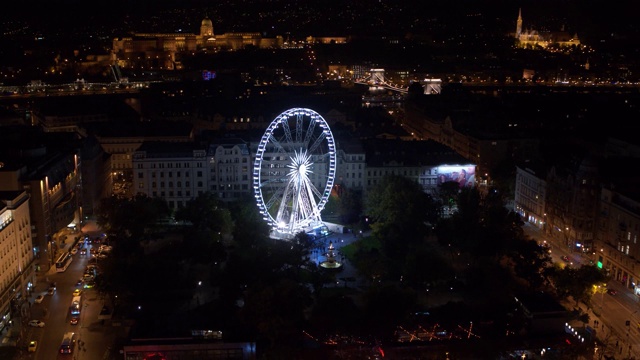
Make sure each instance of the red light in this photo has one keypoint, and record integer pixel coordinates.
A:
(155, 356)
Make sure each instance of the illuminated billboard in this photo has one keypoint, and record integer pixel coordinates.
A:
(464, 175)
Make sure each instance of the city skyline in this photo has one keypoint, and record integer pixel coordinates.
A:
(513, 139)
(599, 16)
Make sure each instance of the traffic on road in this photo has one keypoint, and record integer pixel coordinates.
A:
(66, 304)
(614, 310)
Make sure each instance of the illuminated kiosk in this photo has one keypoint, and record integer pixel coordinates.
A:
(331, 262)
(294, 171)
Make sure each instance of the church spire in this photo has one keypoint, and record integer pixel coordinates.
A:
(519, 24)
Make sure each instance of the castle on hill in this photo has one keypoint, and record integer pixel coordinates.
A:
(163, 49)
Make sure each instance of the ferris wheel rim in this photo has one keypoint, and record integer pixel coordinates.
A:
(308, 201)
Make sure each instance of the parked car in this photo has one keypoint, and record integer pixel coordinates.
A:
(77, 292)
(36, 323)
(33, 346)
(565, 258)
(612, 292)
(74, 251)
(39, 299)
(74, 321)
(51, 291)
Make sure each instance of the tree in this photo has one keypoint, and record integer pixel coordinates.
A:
(399, 211)
(206, 212)
(578, 283)
(337, 313)
(350, 206)
(482, 226)
(424, 265)
(131, 217)
(397, 200)
(386, 305)
(371, 264)
(448, 194)
(249, 228)
(530, 261)
(276, 311)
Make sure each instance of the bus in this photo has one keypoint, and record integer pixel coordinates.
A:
(63, 262)
(76, 305)
(68, 343)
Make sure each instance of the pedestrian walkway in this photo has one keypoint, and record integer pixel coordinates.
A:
(611, 343)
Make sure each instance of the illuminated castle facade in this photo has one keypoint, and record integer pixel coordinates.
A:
(162, 51)
(533, 38)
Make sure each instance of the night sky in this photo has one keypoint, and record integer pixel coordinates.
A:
(592, 18)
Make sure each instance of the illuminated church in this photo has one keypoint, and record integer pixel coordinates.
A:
(533, 38)
(161, 51)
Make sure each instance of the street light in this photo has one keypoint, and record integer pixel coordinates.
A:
(601, 289)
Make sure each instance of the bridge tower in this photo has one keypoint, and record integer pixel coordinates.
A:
(377, 76)
(432, 86)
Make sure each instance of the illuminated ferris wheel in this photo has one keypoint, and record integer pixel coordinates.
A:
(294, 171)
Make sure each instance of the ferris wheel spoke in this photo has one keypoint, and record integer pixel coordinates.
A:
(299, 126)
(275, 189)
(315, 191)
(279, 148)
(310, 202)
(287, 130)
(283, 207)
(309, 134)
(316, 144)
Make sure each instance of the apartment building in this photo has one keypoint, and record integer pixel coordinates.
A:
(17, 255)
(48, 166)
(176, 172)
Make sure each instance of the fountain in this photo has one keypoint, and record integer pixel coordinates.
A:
(331, 262)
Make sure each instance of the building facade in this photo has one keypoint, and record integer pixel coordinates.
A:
(428, 163)
(351, 165)
(230, 166)
(17, 256)
(485, 149)
(176, 172)
(179, 172)
(530, 195)
(616, 246)
(120, 142)
(96, 176)
(572, 203)
(49, 168)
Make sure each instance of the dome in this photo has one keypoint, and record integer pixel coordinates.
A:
(206, 27)
(206, 22)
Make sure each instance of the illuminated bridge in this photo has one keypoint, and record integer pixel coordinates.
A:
(375, 78)
(79, 87)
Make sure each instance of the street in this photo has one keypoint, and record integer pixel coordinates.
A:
(93, 338)
(615, 317)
